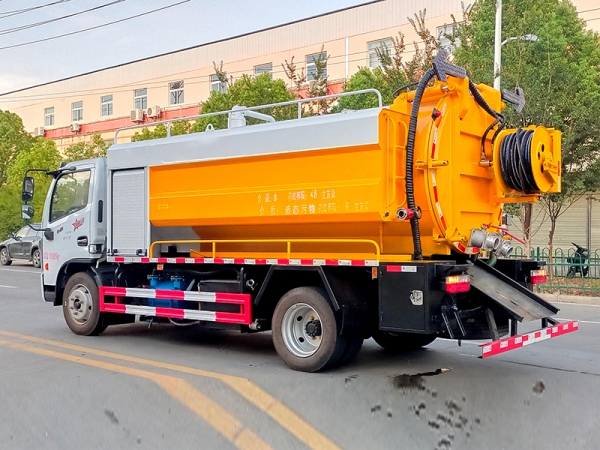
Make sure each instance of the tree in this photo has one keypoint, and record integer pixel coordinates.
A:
(13, 140)
(394, 71)
(84, 150)
(247, 91)
(160, 131)
(559, 74)
(41, 155)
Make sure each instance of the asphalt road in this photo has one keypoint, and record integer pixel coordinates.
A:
(162, 387)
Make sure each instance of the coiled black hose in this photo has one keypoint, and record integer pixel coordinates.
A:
(410, 150)
(515, 161)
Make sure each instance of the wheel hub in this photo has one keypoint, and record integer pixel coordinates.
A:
(301, 330)
(313, 328)
(80, 304)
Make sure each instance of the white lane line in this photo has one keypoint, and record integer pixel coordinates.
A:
(577, 304)
(8, 287)
(580, 321)
(20, 271)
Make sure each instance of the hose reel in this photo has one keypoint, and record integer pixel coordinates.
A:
(527, 160)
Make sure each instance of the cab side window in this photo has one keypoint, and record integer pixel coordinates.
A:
(70, 194)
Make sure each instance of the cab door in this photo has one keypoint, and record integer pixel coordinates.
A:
(68, 216)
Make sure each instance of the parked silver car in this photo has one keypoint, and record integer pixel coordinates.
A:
(24, 244)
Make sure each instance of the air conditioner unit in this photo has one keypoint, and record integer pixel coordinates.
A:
(39, 131)
(75, 127)
(153, 111)
(137, 115)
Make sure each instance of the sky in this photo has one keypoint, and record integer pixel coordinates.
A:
(189, 23)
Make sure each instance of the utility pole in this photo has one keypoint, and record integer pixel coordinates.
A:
(498, 45)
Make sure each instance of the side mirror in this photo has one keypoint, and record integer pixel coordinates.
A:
(28, 188)
(27, 212)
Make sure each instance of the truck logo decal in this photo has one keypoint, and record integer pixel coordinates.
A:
(78, 223)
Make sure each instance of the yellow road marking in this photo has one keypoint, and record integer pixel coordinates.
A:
(278, 411)
(222, 421)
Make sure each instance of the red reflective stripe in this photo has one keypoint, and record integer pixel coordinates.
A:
(433, 150)
(306, 262)
(180, 260)
(145, 260)
(113, 291)
(260, 261)
(113, 307)
(283, 261)
(358, 263)
(170, 312)
(238, 299)
(394, 268)
(162, 260)
(239, 261)
(435, 194)
(219, 261)
(443, 222)
(118, 259)
(169, 295)
(332, 262)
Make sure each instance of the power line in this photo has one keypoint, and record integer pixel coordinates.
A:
(93, 28)
(45, 22)
(15, 12)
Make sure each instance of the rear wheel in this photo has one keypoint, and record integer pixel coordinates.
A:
(36, 258)
(81, 306)
(306, 331)
(402, 342)
(4, 257)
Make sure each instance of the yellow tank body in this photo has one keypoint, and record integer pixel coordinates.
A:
(354, 192)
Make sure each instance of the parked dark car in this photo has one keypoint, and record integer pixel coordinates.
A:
(24, 244)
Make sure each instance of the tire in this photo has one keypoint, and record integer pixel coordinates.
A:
(36, 258)
(81, 306)
(353, 346)
(402, 342)
(4, 257)
(301, 312)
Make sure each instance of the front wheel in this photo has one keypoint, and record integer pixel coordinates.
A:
(36, 258)
(81, 306)
(306, 331)
(402, 342)
(4, 257)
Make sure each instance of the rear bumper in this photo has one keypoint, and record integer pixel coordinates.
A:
(521, 340)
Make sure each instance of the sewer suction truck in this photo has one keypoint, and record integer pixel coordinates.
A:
(325, 230)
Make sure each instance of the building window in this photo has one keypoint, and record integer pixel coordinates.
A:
(311, 66)
(141, 98)
(77, 108)
(216, 84)
(176, 93)
(263, 68)
(107, 105)
(384, 45)
(447, 37)
(49, 116)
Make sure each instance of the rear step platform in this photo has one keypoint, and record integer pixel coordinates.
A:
(520, 303)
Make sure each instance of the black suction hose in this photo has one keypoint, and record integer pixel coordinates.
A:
(410, 150)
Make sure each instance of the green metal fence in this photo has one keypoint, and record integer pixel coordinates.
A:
(567, 273)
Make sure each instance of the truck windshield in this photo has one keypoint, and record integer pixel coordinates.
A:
(70, 194)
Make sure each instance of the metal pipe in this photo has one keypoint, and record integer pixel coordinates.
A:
(498, 45)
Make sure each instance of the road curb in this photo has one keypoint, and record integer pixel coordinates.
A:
(579, 299)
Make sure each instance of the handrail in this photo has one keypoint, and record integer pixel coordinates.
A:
(288, 243)
(298, 102)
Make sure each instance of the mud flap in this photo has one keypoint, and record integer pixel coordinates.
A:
(519, 302)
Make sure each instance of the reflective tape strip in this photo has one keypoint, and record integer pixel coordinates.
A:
(242, 261)
(513, 342)
(467, 250)
(437, 201)
(119, 293)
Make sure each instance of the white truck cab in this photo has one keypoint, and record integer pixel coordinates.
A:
(73, 221)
